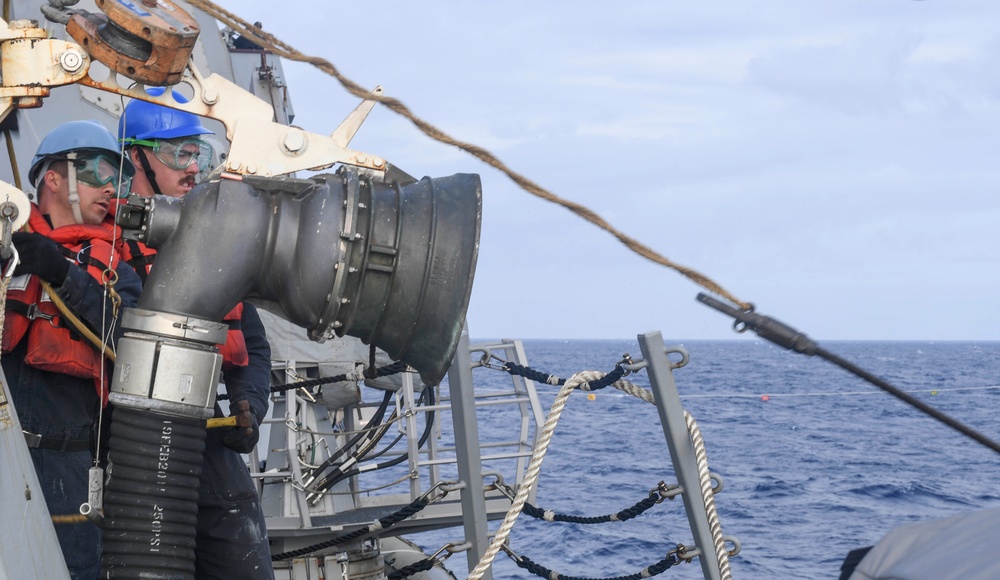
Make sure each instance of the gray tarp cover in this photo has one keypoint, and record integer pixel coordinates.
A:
(333, 357)
(963, 546)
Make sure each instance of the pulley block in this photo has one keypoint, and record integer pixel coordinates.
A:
(149, 41)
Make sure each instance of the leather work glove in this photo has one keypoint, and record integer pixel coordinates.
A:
(40, 256)
(244, 436)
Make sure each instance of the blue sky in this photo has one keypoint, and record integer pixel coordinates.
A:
(834, 162)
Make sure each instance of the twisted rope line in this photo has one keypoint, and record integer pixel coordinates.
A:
(284, 50)
(704, 478)
(4, 284)
(531, 474)
(545, 437)
(621, 516)
(709, 497)
(380, 524)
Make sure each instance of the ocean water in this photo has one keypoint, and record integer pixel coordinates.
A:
(816, 462)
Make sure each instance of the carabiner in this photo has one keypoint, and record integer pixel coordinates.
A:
(510, 553)
(665, 491)
(624, 363)
(14, 259)
(682, 554)
(450, 548)
(34, 313)
(488, 357)
(499, 486)
(441, 489)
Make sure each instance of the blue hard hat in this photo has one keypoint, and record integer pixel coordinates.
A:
(144, 120)
(77, 136)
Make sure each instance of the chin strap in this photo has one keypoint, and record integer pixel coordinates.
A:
(148, 170)
(74, 195)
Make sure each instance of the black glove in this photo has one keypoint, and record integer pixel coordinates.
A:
(244, 436)
(40, 256)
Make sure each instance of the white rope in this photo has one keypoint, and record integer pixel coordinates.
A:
(709, 496)
(531, 474)
(4, 284)
(704, 478)
(545, 437)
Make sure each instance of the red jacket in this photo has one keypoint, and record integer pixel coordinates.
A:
(53, 344)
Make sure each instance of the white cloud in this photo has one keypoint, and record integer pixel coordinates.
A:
(801, 153)
(862, 75)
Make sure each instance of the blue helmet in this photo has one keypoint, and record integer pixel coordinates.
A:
(88, 136)
(143, 120)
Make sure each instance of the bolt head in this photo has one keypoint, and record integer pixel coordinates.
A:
(294, 141)
(210, 96)
(71, 61)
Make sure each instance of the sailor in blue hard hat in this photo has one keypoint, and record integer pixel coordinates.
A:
(231, 534)
(56, 378)
(80, 165)
(165, 144)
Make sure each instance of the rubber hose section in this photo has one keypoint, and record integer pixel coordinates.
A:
(151, 496)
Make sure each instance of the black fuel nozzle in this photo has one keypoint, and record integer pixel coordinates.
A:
(766, 327)
(132, 215)
(135, 217)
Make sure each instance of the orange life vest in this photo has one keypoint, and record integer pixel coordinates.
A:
(234, 351)
(53, 345)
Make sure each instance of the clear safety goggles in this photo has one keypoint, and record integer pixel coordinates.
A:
(180, 153)
(99, 170)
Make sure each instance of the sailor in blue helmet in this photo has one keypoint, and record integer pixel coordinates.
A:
(231, 537)
(57, 377)
(96, 162)
(165, 145)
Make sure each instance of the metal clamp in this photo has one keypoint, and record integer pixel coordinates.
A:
(8, 213)
(33, 313)
(486, 360)
(499, 485)
(34, 440)
(666, 491)
(683, 554)
(626, 363)
(442, 489)
(450, 548)
(511, 553)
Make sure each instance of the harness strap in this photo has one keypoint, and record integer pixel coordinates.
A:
(83, 257)
(29, 311)
(32, 312)
(36, 441)
(74, 195)
(147, 169)
(139, 262)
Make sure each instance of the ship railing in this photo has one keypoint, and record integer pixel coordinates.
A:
(302, 434)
